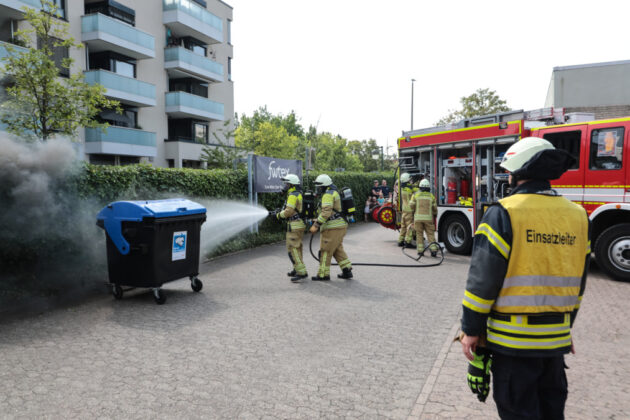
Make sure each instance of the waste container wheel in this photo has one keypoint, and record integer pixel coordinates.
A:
(117, 291)
(159, 296)
(196, 284)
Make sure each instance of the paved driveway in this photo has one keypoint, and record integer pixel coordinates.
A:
(253, 345)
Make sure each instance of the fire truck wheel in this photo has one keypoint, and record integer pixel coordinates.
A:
(612, 251)
(455, 231)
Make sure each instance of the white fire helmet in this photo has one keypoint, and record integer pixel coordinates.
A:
(405, 178)
(291, 179)
(522, 151)
(425, 184)
(323, 180)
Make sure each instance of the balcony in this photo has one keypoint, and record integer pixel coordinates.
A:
(12, 9)
(4, 52)
(103, 33)
(181, 62)
(120, 141)
(186, 105)
(124, 89)
(187, 18)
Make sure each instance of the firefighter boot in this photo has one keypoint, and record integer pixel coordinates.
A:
(291, 273)
(318, 278)
(346, 274)
(401, 243)
(434, 253)
(298, 277)
(409, 245)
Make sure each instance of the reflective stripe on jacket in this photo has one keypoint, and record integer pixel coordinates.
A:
(405, 195)
(423, 205)
(293, 208)
(528, 272)
(331, 209)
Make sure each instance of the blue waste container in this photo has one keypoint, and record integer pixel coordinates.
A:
(150, 243)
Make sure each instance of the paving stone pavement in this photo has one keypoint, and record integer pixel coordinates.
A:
(253, 345)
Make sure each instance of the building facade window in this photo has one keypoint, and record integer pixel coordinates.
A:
(112, 9)
(188, 130)
(229, 31)
(116, 63)
(58, 56)
(189, 85)
(229, 70)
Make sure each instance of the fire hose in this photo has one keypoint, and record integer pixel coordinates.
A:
(418, 264)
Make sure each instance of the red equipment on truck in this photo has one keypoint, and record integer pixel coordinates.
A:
(462, 160)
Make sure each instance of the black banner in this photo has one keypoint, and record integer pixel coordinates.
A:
(268, 173)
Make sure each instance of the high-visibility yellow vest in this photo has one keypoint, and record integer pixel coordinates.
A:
(330, 216)
(425, 205)
(544, 273)
(294, 203)
(406, 193)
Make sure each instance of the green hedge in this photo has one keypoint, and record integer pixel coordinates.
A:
(65, 249)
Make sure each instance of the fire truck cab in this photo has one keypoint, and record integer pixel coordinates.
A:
(461, 161)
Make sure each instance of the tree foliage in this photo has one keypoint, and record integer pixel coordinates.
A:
(220, 154)
(282, 136)
(40, 103)
(481, 102)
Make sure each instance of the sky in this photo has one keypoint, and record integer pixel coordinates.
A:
(346, 66)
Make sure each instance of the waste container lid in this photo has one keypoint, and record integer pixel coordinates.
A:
(117, 212)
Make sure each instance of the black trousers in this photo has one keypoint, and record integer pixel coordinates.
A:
(529, 387)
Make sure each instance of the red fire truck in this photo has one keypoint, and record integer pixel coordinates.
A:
(462, 162)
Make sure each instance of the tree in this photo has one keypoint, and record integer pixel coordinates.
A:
(267, 139)
(332, 154)
(481, 102)
(39, 103)
(220, 154)
(364, 151)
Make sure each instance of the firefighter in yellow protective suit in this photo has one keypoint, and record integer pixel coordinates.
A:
(525, 285)
(333, 228)
(406, 223)
(295, 226)
(424, 207)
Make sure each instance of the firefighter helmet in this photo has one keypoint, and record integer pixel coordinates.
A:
(536, 158)
(404, 178)
(291, 179)
(425, 184)
(522, 151)
(323, 180)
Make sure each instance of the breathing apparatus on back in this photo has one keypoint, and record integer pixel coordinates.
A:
(323, 182)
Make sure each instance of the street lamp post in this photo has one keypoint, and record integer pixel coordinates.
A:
(412, 80)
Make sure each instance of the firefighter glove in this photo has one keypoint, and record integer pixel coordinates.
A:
(314, 228)
(479, 373)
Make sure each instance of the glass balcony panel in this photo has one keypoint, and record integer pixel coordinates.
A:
(117, 36)
(124, 89)
(186, 60)
(123, 135)
(193, 9)
(182, 104)
(4, 52)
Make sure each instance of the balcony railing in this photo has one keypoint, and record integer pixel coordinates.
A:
(114, 35)
(21, 3)
(124, 89)
(182, 104)
(123, 135)
(204, 25)
(181, 59)
(4, 52)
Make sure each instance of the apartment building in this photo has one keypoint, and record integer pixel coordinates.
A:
(168, 62)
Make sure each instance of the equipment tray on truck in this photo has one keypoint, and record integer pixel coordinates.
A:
(150, 243)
